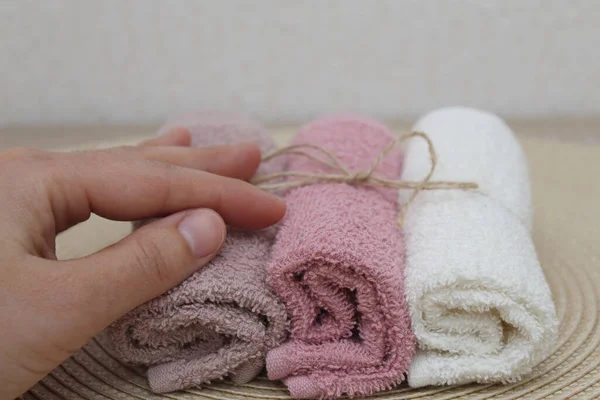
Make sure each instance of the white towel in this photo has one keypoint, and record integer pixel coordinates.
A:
(481, 308)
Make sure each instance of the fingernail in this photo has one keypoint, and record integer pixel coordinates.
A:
(176, 131)
(204, 230)
(168, 131)
(176, 136)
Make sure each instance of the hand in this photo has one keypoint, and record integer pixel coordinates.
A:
(50, 308)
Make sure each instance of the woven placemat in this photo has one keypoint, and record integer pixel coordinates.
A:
(566, 233)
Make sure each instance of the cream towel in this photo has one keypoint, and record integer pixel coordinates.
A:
(480, 305)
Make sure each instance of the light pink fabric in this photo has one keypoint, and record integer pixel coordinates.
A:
(222, 320)
(338, 266)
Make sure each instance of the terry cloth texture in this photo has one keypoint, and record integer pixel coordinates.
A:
(480, 305)
(222, 320)
(338, 266)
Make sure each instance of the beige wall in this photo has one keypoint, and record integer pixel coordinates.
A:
(122, 61)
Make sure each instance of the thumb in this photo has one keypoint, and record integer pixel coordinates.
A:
(147, 263)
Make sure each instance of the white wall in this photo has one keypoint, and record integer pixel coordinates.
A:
(141, 60)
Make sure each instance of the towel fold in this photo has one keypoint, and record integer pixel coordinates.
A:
(222, 320)
(337, 265)
(480, 305)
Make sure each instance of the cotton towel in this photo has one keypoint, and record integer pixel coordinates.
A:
(337, 265)
(480, 305)
(221, 321)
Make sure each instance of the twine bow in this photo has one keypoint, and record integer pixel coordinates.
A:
(344, 175)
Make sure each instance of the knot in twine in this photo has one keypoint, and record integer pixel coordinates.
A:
(368, 177)
(359, 177)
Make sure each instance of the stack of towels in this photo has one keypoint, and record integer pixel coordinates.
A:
(338, 299)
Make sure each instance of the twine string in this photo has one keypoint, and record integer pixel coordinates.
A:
(342, 174)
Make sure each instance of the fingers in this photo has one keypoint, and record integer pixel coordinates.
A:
(99, 288)
(147, 263)
(179, 136)
(58, 190)
(127, 189)
(237, 161)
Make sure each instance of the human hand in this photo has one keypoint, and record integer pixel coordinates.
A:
(50, 308)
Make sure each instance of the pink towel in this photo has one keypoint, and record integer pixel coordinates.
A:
(337, 265)
(223, 319)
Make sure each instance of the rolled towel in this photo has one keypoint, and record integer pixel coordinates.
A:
(480, 305)
(222, 320)
(337, 265)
